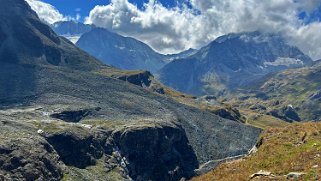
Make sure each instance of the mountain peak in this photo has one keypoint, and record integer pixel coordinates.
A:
(258, 48)
(26, 40)
(71, 28)
(233, 61)
(256, 36)
(122, 52)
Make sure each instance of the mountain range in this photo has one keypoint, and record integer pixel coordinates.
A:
(113, 49)
(63, 116)
(80, 102)
(232, 62)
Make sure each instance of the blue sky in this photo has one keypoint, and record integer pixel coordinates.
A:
(171, 30)
(73, 7)
(83, 7)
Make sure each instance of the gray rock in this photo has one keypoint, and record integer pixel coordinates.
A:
(315, 96)
(26, 158)
(261, 173)
(294, 175)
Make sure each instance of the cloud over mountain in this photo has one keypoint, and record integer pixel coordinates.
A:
(196, 23)
(48, 13)
(45, 11)
(175, 29)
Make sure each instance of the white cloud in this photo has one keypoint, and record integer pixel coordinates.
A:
(49, 13)
(308, 39)
(176, 29)
(46, 12)
(78, 16)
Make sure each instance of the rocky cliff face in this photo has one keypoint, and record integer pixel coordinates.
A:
(26, 156)
(165, 155)
(232, 62)
(170, 157)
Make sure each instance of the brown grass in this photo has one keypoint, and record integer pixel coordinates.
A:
(295, 148)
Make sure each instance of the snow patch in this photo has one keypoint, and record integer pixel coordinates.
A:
(119, 47)
(238, 70)
(284, 61)
(72, 38)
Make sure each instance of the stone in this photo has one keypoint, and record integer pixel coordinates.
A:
(315, 166)
(253, 150)
(40, 131)
(262, 173)
(294, 175)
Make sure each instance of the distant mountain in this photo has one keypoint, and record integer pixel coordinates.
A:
(71, 29)
(231, 62)
(121, 52)
(111, 48)
(181, 55)
(63, 117)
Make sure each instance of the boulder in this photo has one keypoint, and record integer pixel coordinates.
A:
(261, 173)
(294, 175)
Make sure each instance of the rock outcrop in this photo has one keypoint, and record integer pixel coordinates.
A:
(156, 152)
(25, 155)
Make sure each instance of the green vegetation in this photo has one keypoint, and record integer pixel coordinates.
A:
(112, 72)
(96, 172)
(263, 121)
(296, 87)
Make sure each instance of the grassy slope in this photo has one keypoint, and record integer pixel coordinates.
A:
(295, 148)
(262, 121)
(291, 87)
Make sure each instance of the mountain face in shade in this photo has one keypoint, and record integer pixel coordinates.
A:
(121, 52)
(71, 29)
(231, 62)
(61, 118)
(26, 40)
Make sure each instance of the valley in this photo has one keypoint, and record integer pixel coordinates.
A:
(79, 102)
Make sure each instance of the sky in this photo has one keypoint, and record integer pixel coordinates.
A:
(171, 26)
(72, 8)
